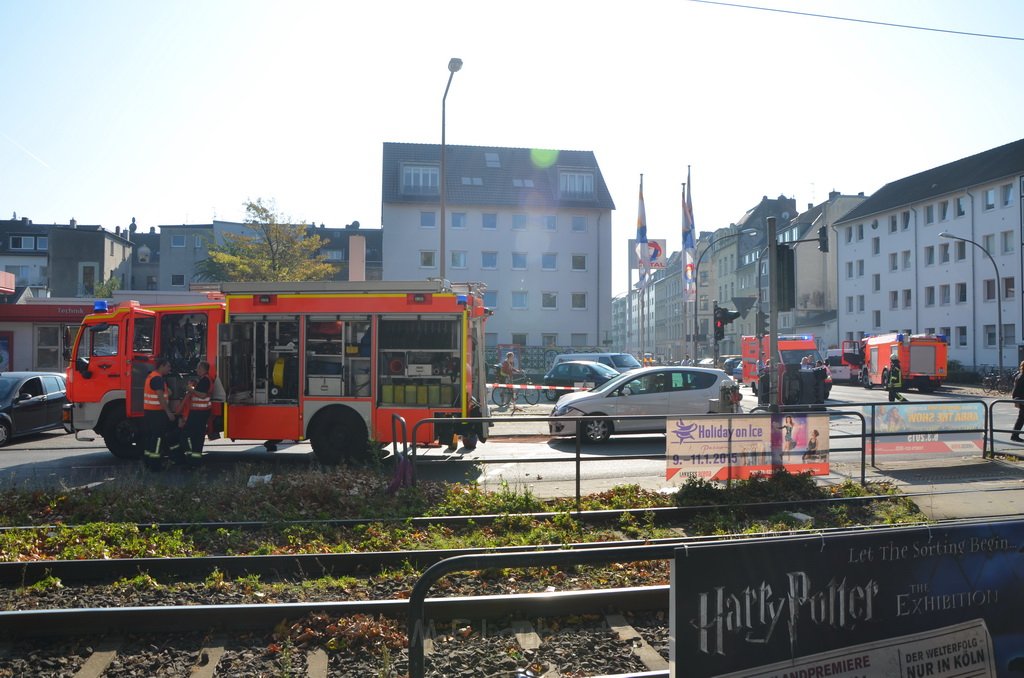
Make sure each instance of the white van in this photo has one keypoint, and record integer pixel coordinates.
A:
(622, 362)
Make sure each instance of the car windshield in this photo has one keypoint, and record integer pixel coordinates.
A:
(625, 360)
(604, 371)
(7, 384)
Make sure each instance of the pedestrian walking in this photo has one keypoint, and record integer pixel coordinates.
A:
(157, 412)
(1018, 395)
(895, 382)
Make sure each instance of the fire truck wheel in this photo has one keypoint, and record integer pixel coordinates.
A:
(120, 434)
(339, 435)
(865, 380)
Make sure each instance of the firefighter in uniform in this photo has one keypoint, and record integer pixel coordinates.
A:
(195, 412)
(158, 415)
(895, 380)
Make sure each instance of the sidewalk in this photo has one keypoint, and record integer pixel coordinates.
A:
(952, 487)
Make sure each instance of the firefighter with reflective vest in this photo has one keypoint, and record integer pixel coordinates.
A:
(158, 414)
(195, 412)
(895, 382)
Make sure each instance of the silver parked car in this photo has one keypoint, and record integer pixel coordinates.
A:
(650, 390)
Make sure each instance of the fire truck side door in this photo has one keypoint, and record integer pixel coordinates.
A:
(141, 340)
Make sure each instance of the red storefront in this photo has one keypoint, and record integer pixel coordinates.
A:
(38, 335)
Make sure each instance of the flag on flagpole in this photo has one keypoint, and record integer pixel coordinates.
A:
(689, 244)
(641, 239)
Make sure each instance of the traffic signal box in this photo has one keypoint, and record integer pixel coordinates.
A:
(723, 317)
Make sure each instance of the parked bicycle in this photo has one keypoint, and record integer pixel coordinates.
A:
(997, 382)
(503, 395)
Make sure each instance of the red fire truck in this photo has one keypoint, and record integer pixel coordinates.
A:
(328, 361)
(923, 359)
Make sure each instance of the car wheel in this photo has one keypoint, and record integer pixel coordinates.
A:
(552, 396)
(5, 433)
(596, 430)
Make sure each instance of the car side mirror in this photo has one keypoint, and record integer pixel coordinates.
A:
(23, 396)
(82, 365)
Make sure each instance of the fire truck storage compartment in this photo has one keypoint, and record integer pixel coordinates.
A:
(338, 356)
(419, 361)
(261, 356)
(922, 360)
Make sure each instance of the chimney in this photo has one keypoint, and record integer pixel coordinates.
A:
(74, 224)
(810, 206)
(357, 258)
(117, 230)
(832, 195)
(861, 194)
(152, 230)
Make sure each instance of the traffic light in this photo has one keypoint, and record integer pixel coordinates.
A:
(786, 277)
(761, 324)
(719, 323)
(823, 239)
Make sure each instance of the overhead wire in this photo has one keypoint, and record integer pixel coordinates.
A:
(861, 21)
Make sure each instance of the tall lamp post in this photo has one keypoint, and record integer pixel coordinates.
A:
(696, 280)
(454, 65)
(999, 301)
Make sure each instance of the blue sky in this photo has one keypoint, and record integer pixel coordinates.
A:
(179, 112)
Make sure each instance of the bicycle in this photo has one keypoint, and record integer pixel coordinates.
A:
(503, 395)
(1001, 382)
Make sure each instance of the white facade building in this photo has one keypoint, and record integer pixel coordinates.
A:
(897, 274)
(534, 226)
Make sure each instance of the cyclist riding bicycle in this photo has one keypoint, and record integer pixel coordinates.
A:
(508, 366)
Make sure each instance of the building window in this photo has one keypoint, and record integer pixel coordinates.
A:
(860, 268)
(894, 300)
(580, 184)
(990, 335)
(929, 296)
(849, 234)
(906, 259)
(42, 243)
(1009, 333)
(458, 219)
(990, 199)
(490, 221)
(961, 335)
(876, 282)
(860, 232)
(1006, 196)
(905, 219)
(519, 299)
(177, 240)
(491, 298)
(961, 293)
(892, 223)
(929, 214)
(420, 179)
(550, 222)
(579, 301)
(929, 255)
(1009, 287)
(944, 210)
(907, 298)
(944, 295)
(518, 222)
(579, 262)
(428, 219)
(579, 224)
(549, 300)
(893, 261)
(177, 280)
(458, 258)
(860, 303)
(427, 259)
(944, 253)
(849, 304)
(989, 242)
(1006, 242)
(988, 290)
(961, 251)
(849, 269)
(876, 319)
(150, 282)
(519, 261)
(961, 208)
(491, 159)
(549, 261)
(489, 260)
(519, 338)
(23, 242)
(332, 255)
(549, 340)
(198, 242)
(578, 339)
(876, 246)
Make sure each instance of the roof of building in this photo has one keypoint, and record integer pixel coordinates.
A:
(958, 175)
(490, 175)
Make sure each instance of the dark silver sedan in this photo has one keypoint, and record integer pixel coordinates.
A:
(30, 402)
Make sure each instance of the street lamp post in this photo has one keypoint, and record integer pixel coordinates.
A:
(454, 65)
(999, 300)
(696, 281)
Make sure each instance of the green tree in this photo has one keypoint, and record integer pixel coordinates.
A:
(106, 289)
(274, 251)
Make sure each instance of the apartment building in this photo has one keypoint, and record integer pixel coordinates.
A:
(940, 252)
(534, 226)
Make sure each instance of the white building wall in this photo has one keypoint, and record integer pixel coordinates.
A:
(404, 240)
(917, 290)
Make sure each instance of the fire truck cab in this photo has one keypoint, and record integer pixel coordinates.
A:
(115, 351)
(923, 359)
